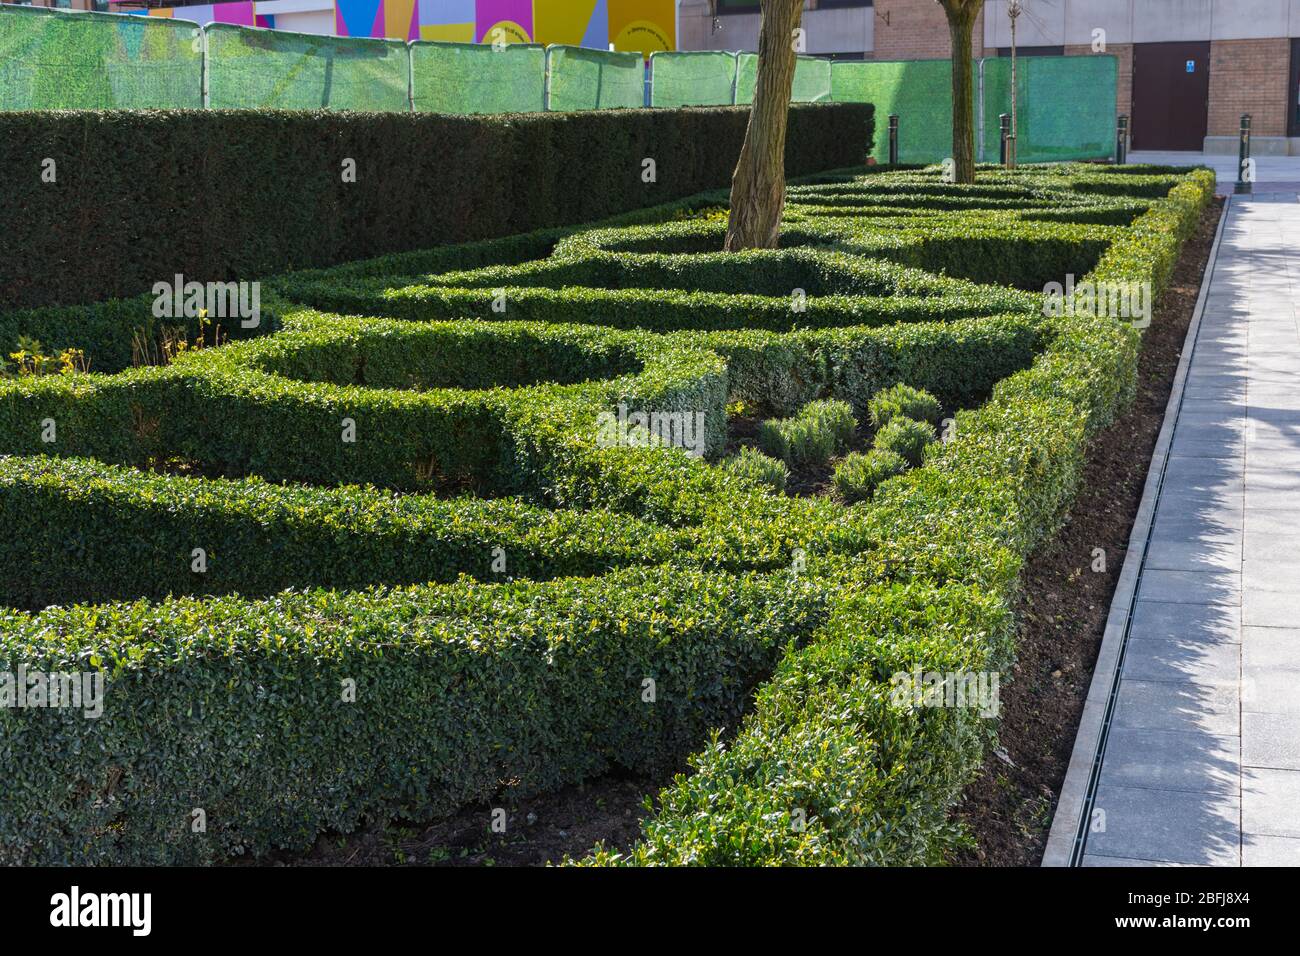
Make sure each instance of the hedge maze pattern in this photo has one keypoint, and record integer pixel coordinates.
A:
(399, 484)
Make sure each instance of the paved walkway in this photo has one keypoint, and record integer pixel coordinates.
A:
(1202, 761)
(1268, 169)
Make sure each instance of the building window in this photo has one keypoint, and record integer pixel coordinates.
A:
(827, 4)
(737, 6)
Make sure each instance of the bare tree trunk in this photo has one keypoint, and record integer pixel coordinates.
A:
(961, 22)
(758, 185)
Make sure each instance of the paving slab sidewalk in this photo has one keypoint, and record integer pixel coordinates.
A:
(1202, 760)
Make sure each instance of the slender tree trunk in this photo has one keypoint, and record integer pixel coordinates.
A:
(961, 22)
(758, 184)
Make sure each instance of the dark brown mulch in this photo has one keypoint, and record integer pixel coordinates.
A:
(1065, 603)
(540, 830)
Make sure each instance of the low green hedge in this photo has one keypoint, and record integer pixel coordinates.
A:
(235, 706)
(829, 768)
(107, 331)
(83, 531)
(225, 411)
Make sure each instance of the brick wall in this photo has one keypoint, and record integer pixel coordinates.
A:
(917, 30)
(1249, 76)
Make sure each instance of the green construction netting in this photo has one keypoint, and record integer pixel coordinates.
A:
(919, 91)
(269, 69)
(54, 60)
(746, 77)
(1065, 107)
(478, 78)
(583, 79)
(812, 79)
(695, 78)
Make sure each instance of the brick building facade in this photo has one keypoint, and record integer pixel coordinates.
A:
(1188, 69)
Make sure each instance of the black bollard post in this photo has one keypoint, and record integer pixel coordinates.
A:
(893, 139)
(1121, 141)
(1244, 182)
(1004, 125)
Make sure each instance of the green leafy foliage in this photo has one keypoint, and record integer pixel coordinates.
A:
(906, 402)
(647, 598)
(420, 177)
(906, 438)
(751, 463)
(857, 475)
(820, 430)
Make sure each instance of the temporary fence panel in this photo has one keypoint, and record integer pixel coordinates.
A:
(692, 78)
(919, 91)
(55, 60)
(478, 77)
(251, 68)
(1065, 107)
(812, 79)
(587, 79)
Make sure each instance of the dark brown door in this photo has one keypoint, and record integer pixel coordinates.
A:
(1293, 93)
(1171, 95)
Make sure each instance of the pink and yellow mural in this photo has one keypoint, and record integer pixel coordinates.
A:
(503, 21)
(637, 25)
(241, 14)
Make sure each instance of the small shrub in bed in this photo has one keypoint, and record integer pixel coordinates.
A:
(753, 464)
(906, 437)
(905, 401)
(857, 475)
(820, 431)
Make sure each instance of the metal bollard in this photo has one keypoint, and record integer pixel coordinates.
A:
(1121, 141)
(893, 139)
(1244, 184)
(1004, 125)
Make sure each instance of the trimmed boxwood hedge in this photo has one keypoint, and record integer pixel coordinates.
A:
(225, 411)
(240, 194)
(868, 781)
(235, 706)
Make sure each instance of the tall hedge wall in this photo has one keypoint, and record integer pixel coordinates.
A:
(218, 195)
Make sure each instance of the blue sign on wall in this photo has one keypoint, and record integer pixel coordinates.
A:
(1191, 66)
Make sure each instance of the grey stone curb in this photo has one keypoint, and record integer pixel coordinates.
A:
(1064, 846)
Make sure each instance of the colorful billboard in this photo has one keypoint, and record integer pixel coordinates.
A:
(450, 21)
(644, 26)
(635, 25)
(504, 21)
(240, 14)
